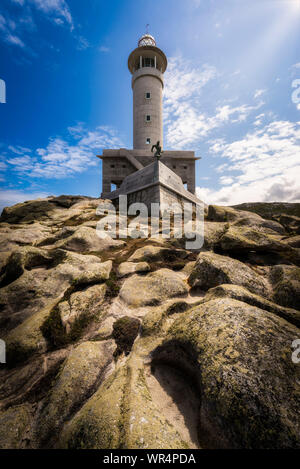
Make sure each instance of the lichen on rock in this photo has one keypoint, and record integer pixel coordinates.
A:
(144, 344)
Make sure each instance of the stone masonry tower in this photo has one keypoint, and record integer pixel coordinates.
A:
(147, 64)
(128, 169)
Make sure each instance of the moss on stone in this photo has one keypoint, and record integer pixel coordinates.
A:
(237, 344)
(14, 424)
(178, 307)
(125, 331)
(113, 287)
(53, 330)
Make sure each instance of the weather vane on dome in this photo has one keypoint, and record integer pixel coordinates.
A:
(147, 28)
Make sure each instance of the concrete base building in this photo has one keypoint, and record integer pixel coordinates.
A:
(155, 183)
(122, 168)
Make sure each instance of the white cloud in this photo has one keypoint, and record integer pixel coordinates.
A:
(183, 79)
(18, 149)
(185, 122)
(6, 29)
(54, 8)
(83, 43)
(3, 166)
(264, 166)
(259, 93)
(12, 30)
(15, 40)
(103, 49)
(226, 180)
(232, 114)
(258, 119)
(63, 158)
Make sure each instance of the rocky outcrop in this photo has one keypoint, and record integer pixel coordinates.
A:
(228, 346)
(286, 285)
(213, 269)
(15, 426)
(82, 372)
(242, 294)
(153, 288)
(126, 268)
(143, 343)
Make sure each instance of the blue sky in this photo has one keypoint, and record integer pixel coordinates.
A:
(232, 93)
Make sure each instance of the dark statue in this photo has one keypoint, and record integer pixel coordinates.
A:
(158, 151)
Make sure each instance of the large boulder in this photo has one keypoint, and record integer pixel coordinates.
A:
(154, 253)
(241, 358)
(242, 294)
(243, 218)
(270, 210)
(27, 338)
(213, 269)
(52, 209)
(121, 414)
(243, 238)
(15, 425)
(126, 268)
(293, 241)
(30, 381)
(99, 423)
(286, 285)
(21, 259)
(213, 231)
(148, 345)
(86, 302)
(82, 240)
(35, 279)
(152, 288)
(80, 376)
(291, 223)
(13, 235)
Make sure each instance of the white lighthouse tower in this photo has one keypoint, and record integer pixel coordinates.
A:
(147, 64)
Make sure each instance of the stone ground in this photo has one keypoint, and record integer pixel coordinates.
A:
(142, 343)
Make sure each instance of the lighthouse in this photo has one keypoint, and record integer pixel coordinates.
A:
(147, 64)
(127, 170)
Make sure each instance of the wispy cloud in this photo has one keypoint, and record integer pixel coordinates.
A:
(63, 157)
(184, 82)
(103, 49)
(14, 28)
(262, 166)
(259, 93)
(7, 32)
(83, 43)
(56, 9)
(186, 123)
(18, 149)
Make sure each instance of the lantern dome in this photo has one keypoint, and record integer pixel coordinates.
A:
(147, 40)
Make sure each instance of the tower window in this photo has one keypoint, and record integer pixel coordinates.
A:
(148, 95)
(148, 140)
(112, 165)
(148, 62)
(145, 62)
(148, 118)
